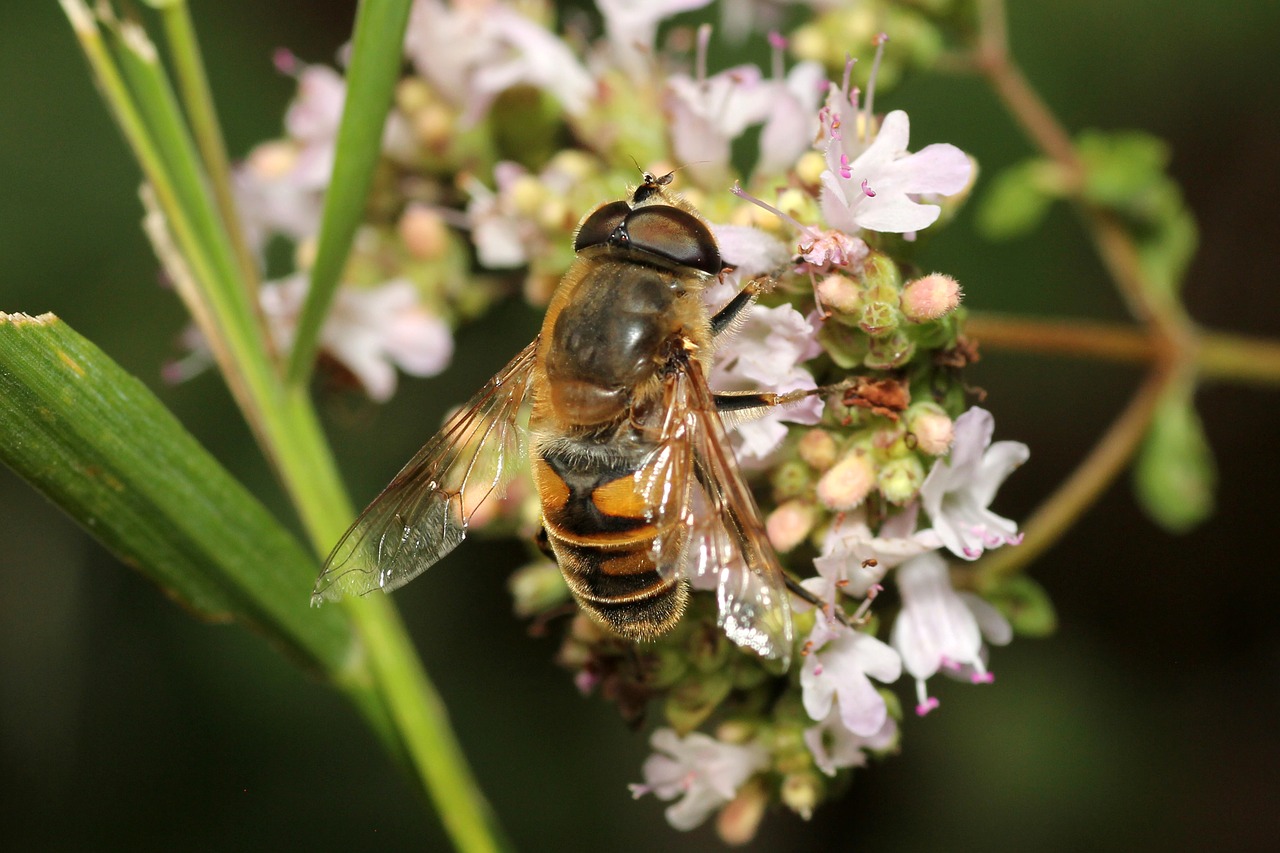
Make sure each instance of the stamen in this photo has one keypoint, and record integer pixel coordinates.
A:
(700, 62)
(879, 41)
(983, 678)
(285, 61)
(845, 172)
(785, 217)
(867, 191)
(1016, 539)
(925, 703)
(779, 44)
(848, 72)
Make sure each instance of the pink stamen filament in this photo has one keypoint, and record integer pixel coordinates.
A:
(779, 44)
(785, 217)
(879, 42)
(700, 60)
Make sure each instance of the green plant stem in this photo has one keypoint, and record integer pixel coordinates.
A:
(1218, 355)
(1056, 515)
(286, 427)
(1168, 338)
(197, 98)
(376, 51)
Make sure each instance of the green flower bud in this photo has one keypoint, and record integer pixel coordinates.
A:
(791, 479)
(889, 351)
(900, 479)
(801, 792)
(537, 588)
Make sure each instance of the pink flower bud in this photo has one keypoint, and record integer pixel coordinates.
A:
(847, 483)
(930, 297)
(789, 524)
(818, 449)
(737, 822)
(839, 294)
(931, 427)
(423, 231)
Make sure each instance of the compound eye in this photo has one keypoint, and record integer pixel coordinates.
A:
(600, 225)
(670, 233)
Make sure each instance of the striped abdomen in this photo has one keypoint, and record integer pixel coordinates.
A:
(599, 529)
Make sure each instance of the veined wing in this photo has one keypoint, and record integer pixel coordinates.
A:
(710, 527)
(423, 514)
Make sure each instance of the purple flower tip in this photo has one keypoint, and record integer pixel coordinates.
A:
(285, 61)
(777, 40)
(870, 193)
(983, 678)
(926, 706)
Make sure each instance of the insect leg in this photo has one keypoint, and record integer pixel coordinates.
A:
(747, 402)
(794, 587)
(732, 310)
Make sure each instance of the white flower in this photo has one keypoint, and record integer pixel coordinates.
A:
(941, 628)
(854, 559)
(766, 352)
(792, 123)
(875, 190)
(839, 667)
(959, 489)
(370, 332)
(833, 746)
(632, 25)
(750, 251)
(708, 113)
(702, 771)
(473, 51)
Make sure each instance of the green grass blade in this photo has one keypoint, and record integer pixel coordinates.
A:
(97, 443)
(376, 59)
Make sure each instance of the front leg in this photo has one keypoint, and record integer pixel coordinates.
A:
(732, 310)
(747, 402)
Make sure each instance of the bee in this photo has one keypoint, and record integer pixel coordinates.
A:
(640, 492)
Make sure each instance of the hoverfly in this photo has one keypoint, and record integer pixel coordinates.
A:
(641, 494)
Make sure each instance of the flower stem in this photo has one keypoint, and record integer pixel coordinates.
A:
(197, 98)
(1056, 515)
(402, 705)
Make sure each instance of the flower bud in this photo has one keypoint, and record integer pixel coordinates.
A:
(931, 427)
(791, 479)
(847, 483)
(412, 94)
(928, 298)
(789, 524)
(881, 293)
(801, 793)
(900, 479)
(737, 822)
(423, 231)
(735, 731)
(272, 160)
(818, 449)
(434, 126)
(537, 588)
(839, 294)
(809, 168)
(889, 351)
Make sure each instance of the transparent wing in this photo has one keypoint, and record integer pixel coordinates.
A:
(711, 527)
(423, 514)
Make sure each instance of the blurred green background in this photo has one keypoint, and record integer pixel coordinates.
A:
(1147, 723)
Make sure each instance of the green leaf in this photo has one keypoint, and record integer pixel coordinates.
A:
(376, 58)
(98, 444)
(1175, 476)
(1026, 605)
(1121, 166)
(1018, 199)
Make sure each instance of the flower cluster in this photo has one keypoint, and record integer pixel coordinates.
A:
(867, 492)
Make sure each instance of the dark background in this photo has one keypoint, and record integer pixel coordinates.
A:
(1147, 722)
